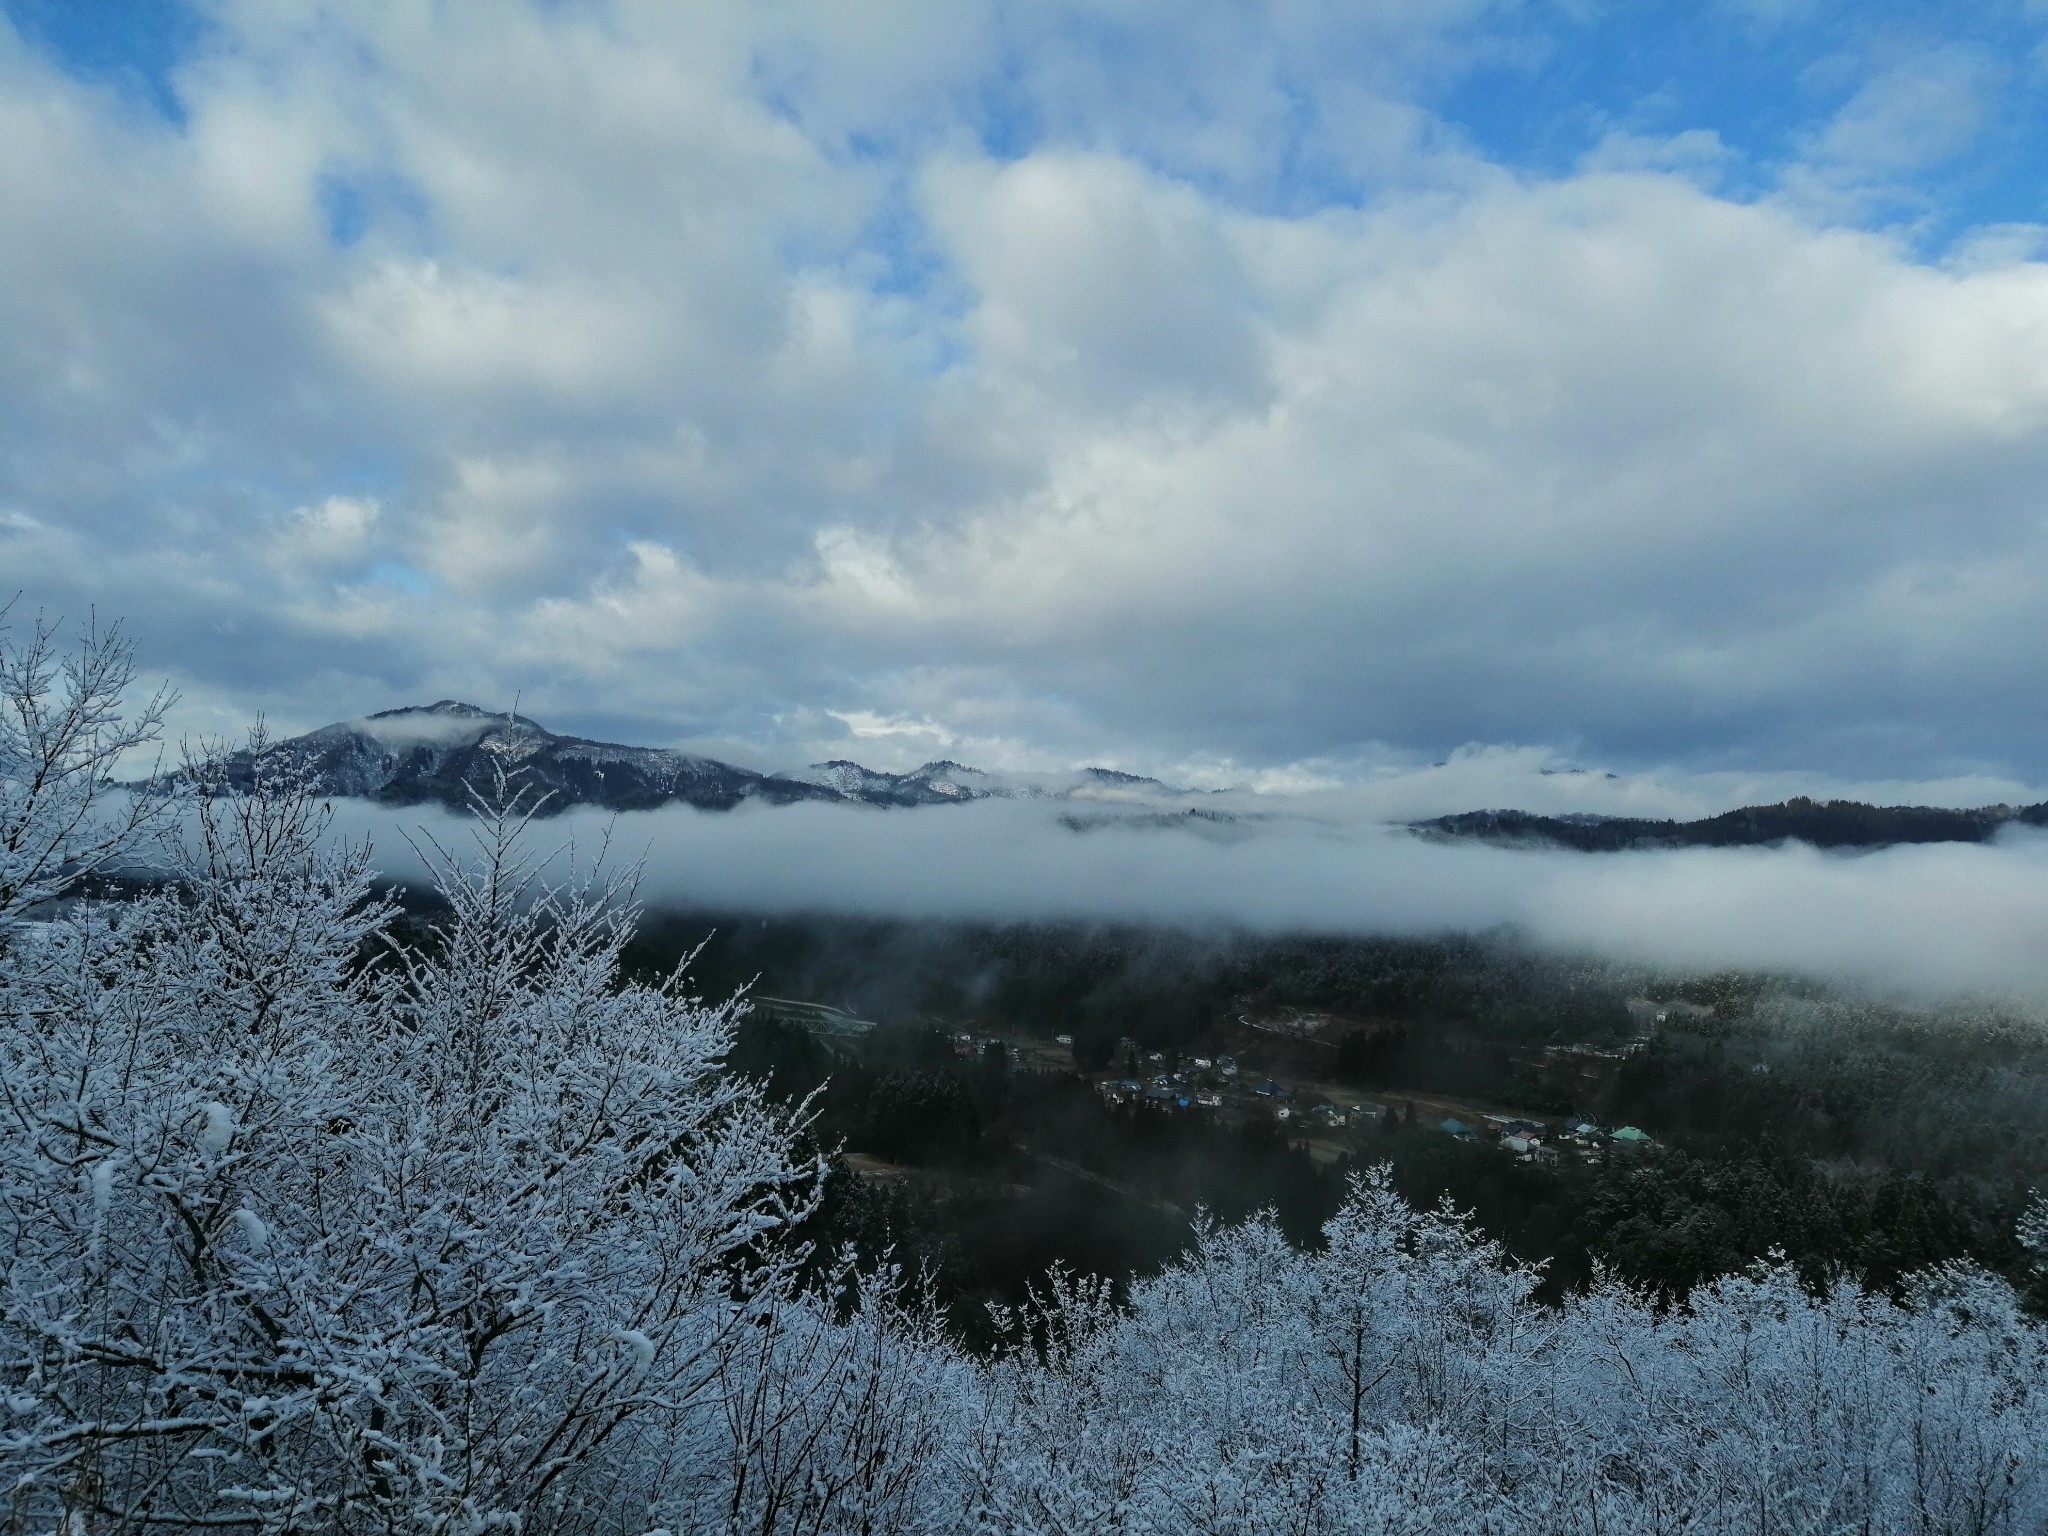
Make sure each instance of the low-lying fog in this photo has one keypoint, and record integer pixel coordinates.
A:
(1939, 918)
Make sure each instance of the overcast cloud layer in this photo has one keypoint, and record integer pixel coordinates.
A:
(1242, 394)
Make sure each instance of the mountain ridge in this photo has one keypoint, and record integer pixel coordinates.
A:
(424, 754)
(433, 753)
(1823, 824)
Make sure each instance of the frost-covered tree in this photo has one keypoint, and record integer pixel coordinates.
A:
(290, 1240)
(1255, 1388)
(840, 1412)
(63, 734)
(1402, 1379)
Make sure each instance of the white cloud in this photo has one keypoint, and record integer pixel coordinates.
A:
(1612, 442)
(1100, 287)
(1913, 115)
(336, 532)
(714, 376)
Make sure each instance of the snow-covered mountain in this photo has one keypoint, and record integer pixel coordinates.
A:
(432, 754)
(949, 783)
(939, 783)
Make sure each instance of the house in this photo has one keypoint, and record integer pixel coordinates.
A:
(1459, 1129)
(1628, 1135)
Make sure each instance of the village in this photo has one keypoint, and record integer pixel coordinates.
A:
(1281, 1070)
(1328, 1119)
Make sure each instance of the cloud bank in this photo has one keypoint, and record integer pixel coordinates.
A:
(1932, 920)
(1168, 387)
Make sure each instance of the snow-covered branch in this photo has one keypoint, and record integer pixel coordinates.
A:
(64, 730)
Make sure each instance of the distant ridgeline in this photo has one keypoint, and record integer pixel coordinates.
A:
(433, 754)
(1824, 824)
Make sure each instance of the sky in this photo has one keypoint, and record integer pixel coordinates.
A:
(1276, 395)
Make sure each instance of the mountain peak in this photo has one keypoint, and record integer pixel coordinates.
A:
(1119, 777)
(456, 709)
(435, 753)
(438, 707)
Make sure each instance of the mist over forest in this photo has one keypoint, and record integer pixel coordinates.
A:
(1856, 1078)
(1932, 920)
(1850, 1069)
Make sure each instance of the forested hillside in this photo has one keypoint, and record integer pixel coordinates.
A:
(1855, 1136)
(1823, 823)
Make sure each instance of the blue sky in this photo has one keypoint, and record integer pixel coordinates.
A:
(1537, 88)
(133, 46)
(1253, 393)
(1767, 81)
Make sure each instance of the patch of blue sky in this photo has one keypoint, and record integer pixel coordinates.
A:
(906, 260)
(1650, 70)
(133, 46)
(1767, 82)
(1008, 122)
(400, 577)
(365, 475)
(2004, 177)
(353, 203)
(346, 208)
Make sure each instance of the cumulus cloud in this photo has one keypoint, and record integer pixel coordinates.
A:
(1179, 390)
(1932, 920)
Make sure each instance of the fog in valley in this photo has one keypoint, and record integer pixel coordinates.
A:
(1932, 919)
